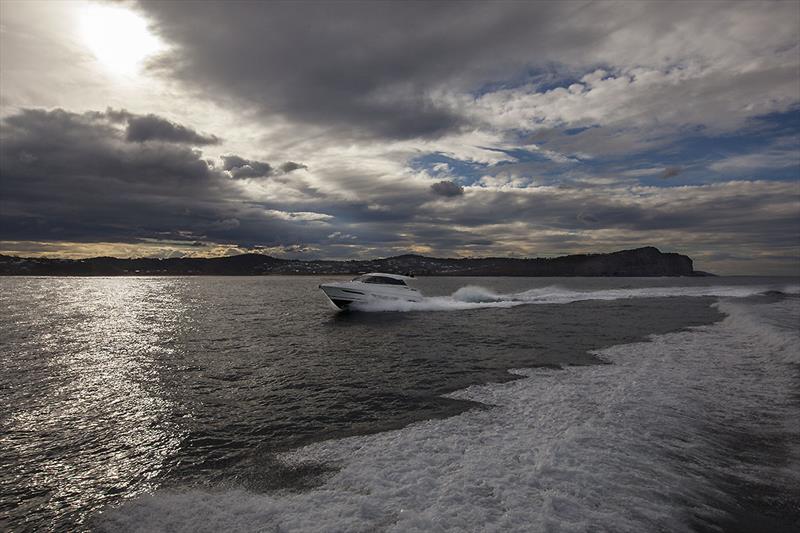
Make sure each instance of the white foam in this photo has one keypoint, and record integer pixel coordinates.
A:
(637, 445)
(773, 329)
(474, 297)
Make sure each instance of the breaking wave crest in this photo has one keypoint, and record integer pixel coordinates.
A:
(475, 297)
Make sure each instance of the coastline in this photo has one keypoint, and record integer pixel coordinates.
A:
(640, 262)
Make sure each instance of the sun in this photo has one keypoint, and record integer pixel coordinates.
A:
(118, 37)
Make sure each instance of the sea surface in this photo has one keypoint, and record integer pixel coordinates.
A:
(496, 404)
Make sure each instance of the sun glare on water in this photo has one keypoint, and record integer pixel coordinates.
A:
(118, 37)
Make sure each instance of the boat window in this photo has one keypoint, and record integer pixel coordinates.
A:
(380, 280)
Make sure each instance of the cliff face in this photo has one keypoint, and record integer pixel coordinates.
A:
(646, 261)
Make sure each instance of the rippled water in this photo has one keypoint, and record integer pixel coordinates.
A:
(118, 387)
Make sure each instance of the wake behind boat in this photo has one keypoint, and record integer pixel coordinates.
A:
(372, 287)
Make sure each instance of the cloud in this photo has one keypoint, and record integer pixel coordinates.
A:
(587, 218)
(77, 177)
(160, 192)
(339, 236)
(155, 128)
(441, 168)
(505, 180)
(355, 72)
(638, 108)
(447, 188)
(46, 145)
(783, 154)
(660, 172)
(670, 172)
(240, 168)
(551, 115)
(291, 166)
(345, 67)
(230, 162)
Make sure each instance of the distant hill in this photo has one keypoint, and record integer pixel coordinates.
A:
(647, 261)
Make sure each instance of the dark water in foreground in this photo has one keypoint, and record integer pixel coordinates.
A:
(117, 387)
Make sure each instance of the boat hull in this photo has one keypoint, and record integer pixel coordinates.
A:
(344, 295)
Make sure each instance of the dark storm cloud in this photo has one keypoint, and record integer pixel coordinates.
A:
(45, 145)
(230, 162)
(586, 218)
(362, 68)
(400, 70)
(154, 128)
(291, 166)
(68, 176)
(240, 168)
(447, 188)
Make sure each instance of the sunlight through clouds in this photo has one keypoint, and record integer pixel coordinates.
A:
(118, 37)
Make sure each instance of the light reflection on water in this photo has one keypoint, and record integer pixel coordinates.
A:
(97, 410)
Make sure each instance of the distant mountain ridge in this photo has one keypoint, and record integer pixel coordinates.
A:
(647, 261)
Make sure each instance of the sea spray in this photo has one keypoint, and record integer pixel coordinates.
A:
(475, 297)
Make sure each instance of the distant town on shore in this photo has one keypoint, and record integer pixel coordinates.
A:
(646, 261)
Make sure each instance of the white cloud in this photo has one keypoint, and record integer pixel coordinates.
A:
(768, 159)
(505, 180)
(304, 216)
(645, 98)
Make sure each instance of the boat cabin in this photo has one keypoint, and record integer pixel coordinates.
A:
(382, 279)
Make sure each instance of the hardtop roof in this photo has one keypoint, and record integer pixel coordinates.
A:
(393, 276)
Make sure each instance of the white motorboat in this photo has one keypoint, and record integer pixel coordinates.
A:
(372, 287)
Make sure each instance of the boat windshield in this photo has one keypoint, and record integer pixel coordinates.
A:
(381, 280)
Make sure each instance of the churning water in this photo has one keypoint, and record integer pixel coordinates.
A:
(248, 404)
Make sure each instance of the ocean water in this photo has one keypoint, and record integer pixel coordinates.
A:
(496, 404)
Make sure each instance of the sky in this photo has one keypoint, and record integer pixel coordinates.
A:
(368, 129)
